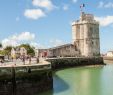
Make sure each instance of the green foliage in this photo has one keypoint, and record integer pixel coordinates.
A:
(30, 50)
(2, 52)
(7, 50)
(26, 46)
(0, 45)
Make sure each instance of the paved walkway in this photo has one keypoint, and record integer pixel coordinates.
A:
(20, 63)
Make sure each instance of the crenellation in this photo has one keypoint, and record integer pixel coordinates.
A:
(85, 40)
(86, 36)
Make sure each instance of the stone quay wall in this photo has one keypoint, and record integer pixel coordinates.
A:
(26, 80)
(60, 63)
(108, 58)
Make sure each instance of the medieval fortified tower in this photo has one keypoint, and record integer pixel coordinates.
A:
(85, 40)
(85, 35)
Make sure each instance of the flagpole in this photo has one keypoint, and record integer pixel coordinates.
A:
(81, 8)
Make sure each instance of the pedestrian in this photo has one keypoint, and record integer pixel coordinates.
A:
(12, 59)
(30, 60)
(37, 59)
(23, 59)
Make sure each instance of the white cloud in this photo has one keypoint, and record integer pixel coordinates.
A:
(34, 13)
(74, 1)
(105, 21)
(9, 42)
(16, 39)
(105, 5)
(37, 45)
(26, 36)
(42, 8)
(65, 7)
(47, 4)
(56, 42)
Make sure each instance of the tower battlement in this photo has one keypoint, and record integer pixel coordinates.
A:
(85, 18)
(85, 35)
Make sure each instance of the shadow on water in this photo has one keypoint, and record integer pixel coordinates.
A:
(59, 85)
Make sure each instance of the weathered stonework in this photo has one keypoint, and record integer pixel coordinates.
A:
(85, 35)
(85, 39)
(25, 80)
(61, 63)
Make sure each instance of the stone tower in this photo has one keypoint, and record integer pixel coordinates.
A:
(85, 35)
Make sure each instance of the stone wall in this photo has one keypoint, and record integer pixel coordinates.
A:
(24, 81)
(85, 35)
(66, 50)
(58, 63)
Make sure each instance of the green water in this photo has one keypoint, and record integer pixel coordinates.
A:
(83, 81)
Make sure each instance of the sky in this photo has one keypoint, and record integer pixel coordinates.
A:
(47, 23)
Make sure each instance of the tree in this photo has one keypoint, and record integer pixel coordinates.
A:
(0, 45)
(30, 50)
(7, 51)
(2, 52)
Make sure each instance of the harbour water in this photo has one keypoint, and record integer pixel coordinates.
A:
(96, 80)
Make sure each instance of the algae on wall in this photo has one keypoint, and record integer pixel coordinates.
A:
(25, 81)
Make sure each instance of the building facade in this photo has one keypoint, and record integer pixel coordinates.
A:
(17, 52)
(109, 54)
(85, 35)
(66, 50)
(13, 53)
(85, 40)
(23, 51)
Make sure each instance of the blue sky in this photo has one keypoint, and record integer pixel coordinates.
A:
(46, 23)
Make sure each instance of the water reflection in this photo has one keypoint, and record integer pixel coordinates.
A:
(81, 81)
(107, 80)
(84, 81)
(59, 84)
